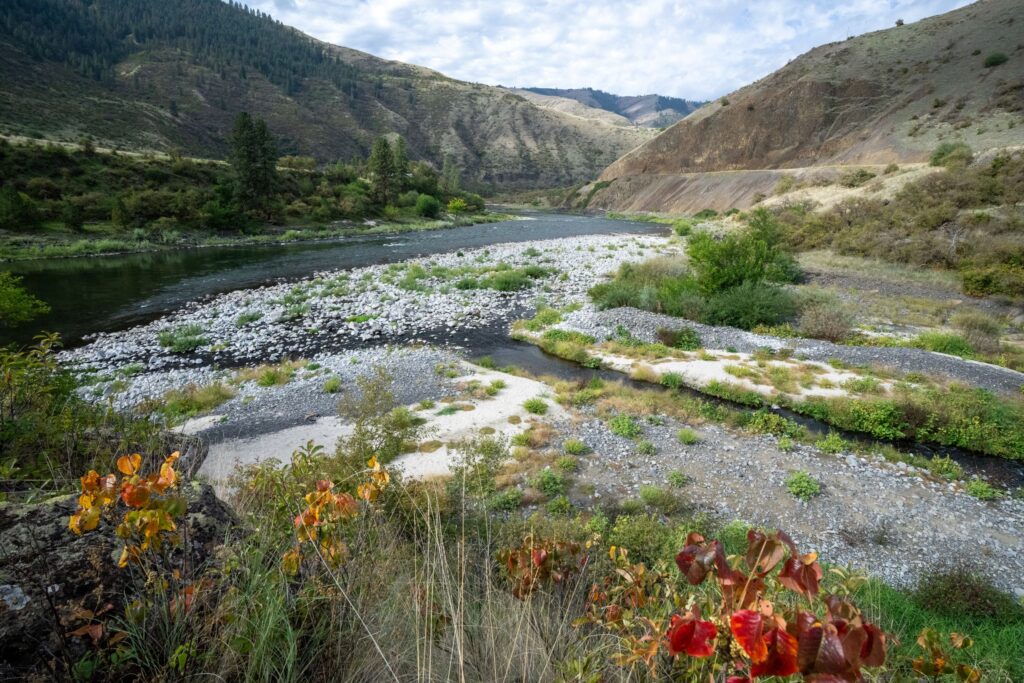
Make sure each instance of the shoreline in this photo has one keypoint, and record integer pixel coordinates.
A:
(276, 240)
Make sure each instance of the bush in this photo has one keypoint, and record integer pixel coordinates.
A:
(508, 500)
(17, 211)
(428, 206)
(508, 281)
(982, 490)
(748, 306)
(824, 321)
(536, 406)
(673, 380)
(684, 338)
(802, 485)
(332, 385)
(645, 447)
(17, 306)
(941, 342)
(549, 482)
(645, 536)
(625, 426)
(832, 444)
(457, 205)
(995, 59)
(661, 499)
(952, 154)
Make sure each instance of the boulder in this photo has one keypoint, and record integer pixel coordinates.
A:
(48, 575)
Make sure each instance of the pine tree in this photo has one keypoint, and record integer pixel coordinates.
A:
(381, 166)
(254, 160)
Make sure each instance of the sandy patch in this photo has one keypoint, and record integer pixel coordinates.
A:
(488, 416)
(698, 372)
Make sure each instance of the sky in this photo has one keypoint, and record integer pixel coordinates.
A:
(695, 49)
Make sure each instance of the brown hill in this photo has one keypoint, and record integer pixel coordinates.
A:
(887, 96)
(157, 75)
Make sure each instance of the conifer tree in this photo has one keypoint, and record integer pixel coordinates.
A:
(254, 160)
(381, 166)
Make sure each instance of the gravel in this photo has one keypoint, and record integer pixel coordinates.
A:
(891, 520)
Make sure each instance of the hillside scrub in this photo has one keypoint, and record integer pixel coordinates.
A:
(732, 280)
(963, 219)
(82, 195)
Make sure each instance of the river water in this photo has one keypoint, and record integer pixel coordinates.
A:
(109, 293)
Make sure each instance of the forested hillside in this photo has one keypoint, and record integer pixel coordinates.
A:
(155, 75)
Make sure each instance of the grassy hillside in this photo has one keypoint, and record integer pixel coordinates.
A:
(883, 97)
(158, 76)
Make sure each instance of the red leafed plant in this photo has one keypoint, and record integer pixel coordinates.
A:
(151, 505)
(751, 630)
(537, 562)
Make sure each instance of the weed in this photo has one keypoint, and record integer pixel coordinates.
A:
(802, 485)
(575, 447)
(687, 436)
(832, 443)
(982, 490)
(536, 406)
(625, 425)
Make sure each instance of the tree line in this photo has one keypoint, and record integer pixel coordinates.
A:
(52, 184)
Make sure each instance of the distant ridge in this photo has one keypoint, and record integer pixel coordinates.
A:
(653, 111)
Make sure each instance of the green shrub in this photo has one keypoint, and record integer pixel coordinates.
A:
(832, 444)
(17, 306)
(941, 342)
(856, 178)
(982, 490)
(952, 154)
(508, 281)
(645, 536)
(575, 447)
(332, 385)
(625, 426)
(767, 422)
(544, 317)
(457, 205)
(508, 500)
(536, 406)
(661, 499)
(748, 306)
(560, 506)
(946, 467)
(684, 338)
(677, 479)
(995, 59)
(549, 482)
(645, 447)
(687, 436)
(802, 485)
(428, 206)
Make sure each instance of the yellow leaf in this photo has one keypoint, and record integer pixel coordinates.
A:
(123, 560)
(129, 464)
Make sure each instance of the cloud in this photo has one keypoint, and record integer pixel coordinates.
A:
(697, 49)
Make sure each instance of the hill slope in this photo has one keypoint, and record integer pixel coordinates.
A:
(887, 96)
(145, 74)
(654, 111)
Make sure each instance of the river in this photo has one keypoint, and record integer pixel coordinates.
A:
(109, 293)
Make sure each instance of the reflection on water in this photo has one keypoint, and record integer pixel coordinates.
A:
(101, 294)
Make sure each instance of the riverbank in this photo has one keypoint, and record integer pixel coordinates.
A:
(64, 244)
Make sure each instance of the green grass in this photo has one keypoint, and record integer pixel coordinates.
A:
(332, 385)
(982, 490)
(687, 436)
(575, 447)
(180, 404)
(536, 406)
(183, 338)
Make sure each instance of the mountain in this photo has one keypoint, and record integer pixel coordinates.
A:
(157, 75)
(890, 96)
(653, 111)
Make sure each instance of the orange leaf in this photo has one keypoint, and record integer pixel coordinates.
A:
(129, 464)
(748, 629)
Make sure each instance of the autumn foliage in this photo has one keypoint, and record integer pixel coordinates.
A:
(150, 503)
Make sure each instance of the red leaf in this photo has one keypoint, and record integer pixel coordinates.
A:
(692, 636)
(539, 556)
(801, 574)
(747, 628)
(696, 559)
(781, 655)
(763, 552)
(873, 651)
